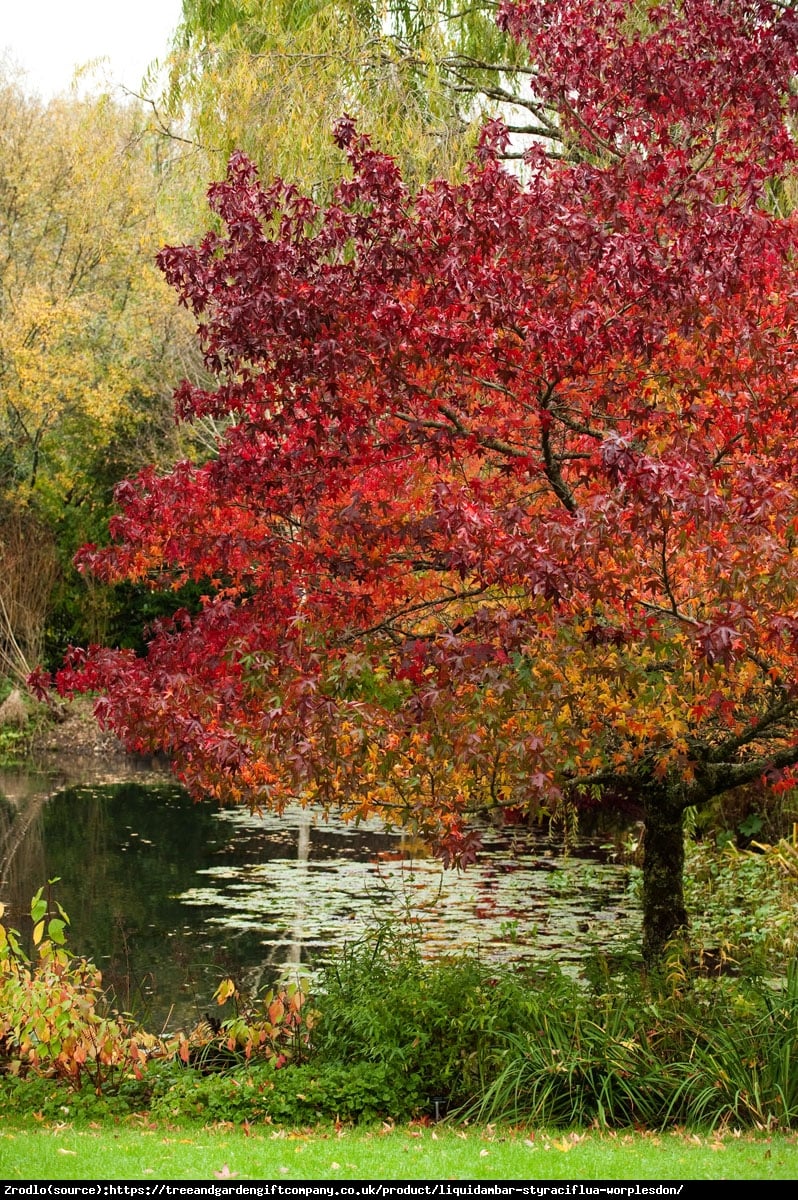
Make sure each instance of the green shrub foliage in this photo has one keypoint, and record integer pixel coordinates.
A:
(294, 1096)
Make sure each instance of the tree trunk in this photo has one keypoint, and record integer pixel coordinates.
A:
(664, 913)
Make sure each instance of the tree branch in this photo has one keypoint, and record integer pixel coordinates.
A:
(714, 778)
(753, 733)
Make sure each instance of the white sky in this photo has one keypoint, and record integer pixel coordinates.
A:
(48, 39)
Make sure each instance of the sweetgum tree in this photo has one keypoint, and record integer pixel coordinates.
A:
(504, 510)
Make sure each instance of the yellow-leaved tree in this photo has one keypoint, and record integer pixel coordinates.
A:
(90, 338)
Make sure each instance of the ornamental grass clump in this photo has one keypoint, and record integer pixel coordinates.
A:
(690, 1051)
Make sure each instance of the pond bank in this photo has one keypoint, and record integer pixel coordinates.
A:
(78, 734)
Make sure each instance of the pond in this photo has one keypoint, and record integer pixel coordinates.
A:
(169, 896)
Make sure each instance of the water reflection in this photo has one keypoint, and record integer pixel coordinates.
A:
(168, 896)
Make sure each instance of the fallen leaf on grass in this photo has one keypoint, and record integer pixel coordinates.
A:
(484, 1153)
(225, 1173)
(61, 1150)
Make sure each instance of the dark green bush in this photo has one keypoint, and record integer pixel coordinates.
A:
(59, 1100)
(438, 1023)
(294, 1095)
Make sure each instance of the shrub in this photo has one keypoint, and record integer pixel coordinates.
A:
(57, 1099)
(274, 1026)
(435, 1024)
(53, 1016)
(294, 1095)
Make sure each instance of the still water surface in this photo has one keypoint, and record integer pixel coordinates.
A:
(168, 896)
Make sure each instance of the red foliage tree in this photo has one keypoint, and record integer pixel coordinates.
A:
(504, 510)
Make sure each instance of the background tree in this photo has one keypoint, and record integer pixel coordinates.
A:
(28, 576)
(506, 512)
(89, 337)
(271, 78)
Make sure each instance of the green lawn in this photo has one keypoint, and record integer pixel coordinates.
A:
(138, 1149)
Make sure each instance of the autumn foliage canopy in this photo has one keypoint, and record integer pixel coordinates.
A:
(504, 510)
